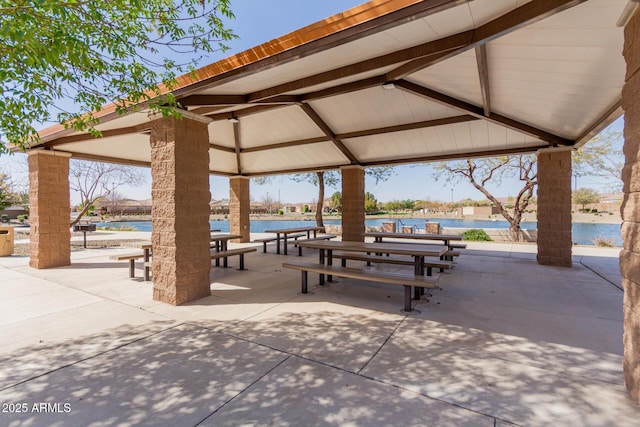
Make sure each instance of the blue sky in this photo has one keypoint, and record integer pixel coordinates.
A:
(258, 21)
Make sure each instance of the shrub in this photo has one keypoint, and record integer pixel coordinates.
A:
(4, 218)
(22, 218)
(477, 234)
(603, 242)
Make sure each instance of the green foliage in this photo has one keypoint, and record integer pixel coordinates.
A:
(370, 202)
(603, 242)
(96, 52)
(336, 202)
(4, 218)
(477, 234)
(398, 205)
(584, 197)
(602, 158)
(23, 218)
(7, 196)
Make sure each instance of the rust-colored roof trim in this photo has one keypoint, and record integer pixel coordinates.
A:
(348, 25)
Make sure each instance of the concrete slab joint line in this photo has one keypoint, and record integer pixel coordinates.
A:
(357, 359)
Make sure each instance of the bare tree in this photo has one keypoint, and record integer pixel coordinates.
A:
(479, 172)
(268, 203)
(115, 200)
(95, 180)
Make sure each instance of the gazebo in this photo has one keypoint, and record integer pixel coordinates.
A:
(388, 82)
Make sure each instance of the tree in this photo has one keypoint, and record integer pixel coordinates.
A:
(335, 203)
(331, 178)
(95, 180)
(601, 158)
(115, 200)
(479, 172)
(319, 179)
(90, 53)
(585, 196)
(6, 195)
(370, 203)
(268, 202)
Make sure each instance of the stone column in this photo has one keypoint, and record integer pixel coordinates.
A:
(239, 207)
(50, 209)
(353, 203)
(630, 255)
(180, 209)
(554, 207)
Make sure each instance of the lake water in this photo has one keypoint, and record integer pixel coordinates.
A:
(583, 233)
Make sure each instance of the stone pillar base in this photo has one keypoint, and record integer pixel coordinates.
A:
(239, 208)
(50, 212)
(353, 214)
(554, 208)
(180, 209)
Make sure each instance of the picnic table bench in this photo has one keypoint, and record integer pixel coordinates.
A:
(131, 257)
(216, 255)
(408, 281)
(368, 258)
(266, 240)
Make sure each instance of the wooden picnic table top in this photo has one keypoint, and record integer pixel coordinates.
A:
(416, 250)
(224, 236)
(444, 237)
(142, 244)
(293, 230)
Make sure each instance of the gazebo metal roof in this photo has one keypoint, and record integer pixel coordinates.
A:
(395, 81)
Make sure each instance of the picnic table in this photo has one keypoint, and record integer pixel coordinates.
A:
(146, 247)
(219, 244)
(286, 231)
(417, 251)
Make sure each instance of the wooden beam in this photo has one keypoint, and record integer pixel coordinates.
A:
(344, 88)
(456, 156)
(107, 159)
(242, 112)
(479, 112)
(408, 126)
(298, 170)
(222, 148)
(328, 132)
(105, 134)
(483, 74)
(338, 32)
(212, 100)
(526, 14)
(368, 132)
(425, 49)
(609, 116)
(236, 138)
(284, 144)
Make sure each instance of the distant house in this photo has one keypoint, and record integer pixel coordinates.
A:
(126, 207)
(13, 211)
(478, 210)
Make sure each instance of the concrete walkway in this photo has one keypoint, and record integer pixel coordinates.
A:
(506, 341)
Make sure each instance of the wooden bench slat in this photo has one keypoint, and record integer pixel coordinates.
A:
(435, 263)
(457, 246)
(126, 257)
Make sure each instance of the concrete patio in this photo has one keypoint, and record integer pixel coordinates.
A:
(505, 341)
